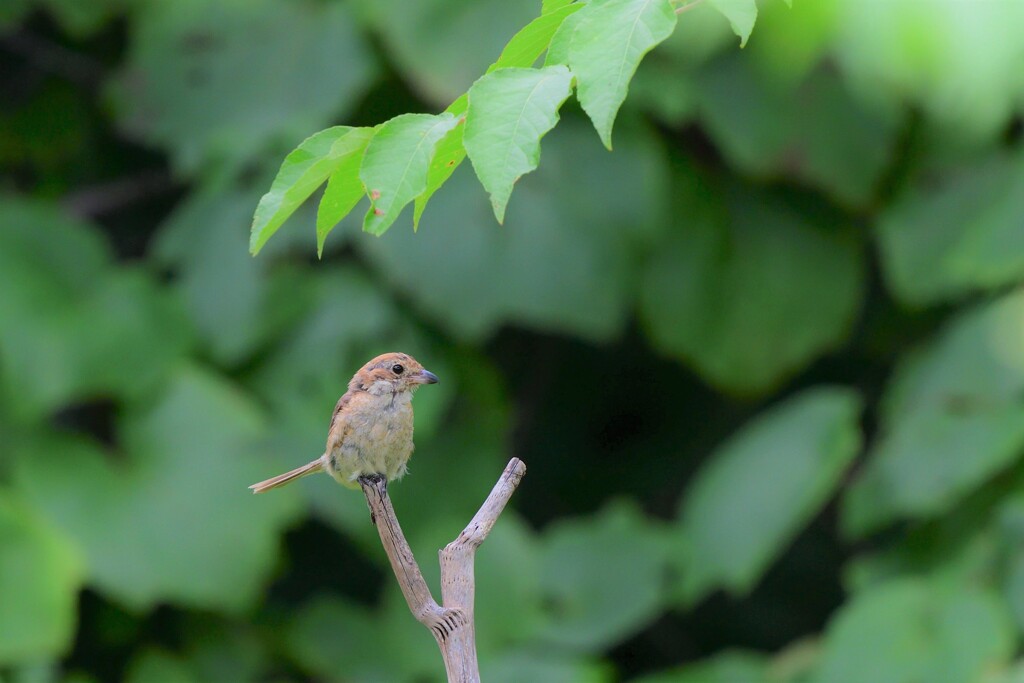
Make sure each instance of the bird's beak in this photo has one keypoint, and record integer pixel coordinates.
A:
(426, 377)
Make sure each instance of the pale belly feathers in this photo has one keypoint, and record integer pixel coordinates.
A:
(375, 440)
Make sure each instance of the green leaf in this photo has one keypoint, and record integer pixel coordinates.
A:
(417, 659)
(82, 19)
(962, 548)
(533, 39)
(40, 574)
(302, 172)
(666, 91)
(1013, 673)
(733, 523)
(328, 630)
(749, 292)
(729, 667)
(141, 343)
(1010, 527)
(508, 590)
(909, 630)
(554, 5)
(302, 372)
(603, 209)
(396, 163)
(959, 74)
(219, 649)
(344, 190)
(459, 106)
(447, 156)
(154, 665)
(794, 43)
(560, 47)
(439, 46)
(57, 282)
(543, 666)
(13, 12)
(956, 233)
(581, 559)
(603, 44)
(953, 417)
(219, 82)
(151, 519)
(992, 435)
(698, 38)
(205, 243)
(510, 110)
(787, 131)
(741, 15)
(45, 255)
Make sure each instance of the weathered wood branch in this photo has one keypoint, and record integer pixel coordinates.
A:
(452, 622)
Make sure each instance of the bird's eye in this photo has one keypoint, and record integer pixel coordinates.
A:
(397, 369)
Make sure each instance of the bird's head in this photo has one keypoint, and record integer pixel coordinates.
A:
(391, 373)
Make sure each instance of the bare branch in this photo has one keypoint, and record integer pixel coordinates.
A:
(452, 624)
(414, 588)
(480, 526)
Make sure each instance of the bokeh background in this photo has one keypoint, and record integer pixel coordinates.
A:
(764, 361)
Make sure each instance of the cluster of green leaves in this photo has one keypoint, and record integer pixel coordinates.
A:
(140, 396)
(592, 47)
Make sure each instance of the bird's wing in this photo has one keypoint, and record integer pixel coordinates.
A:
(340, 406)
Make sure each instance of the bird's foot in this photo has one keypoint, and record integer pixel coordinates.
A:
(372, 479)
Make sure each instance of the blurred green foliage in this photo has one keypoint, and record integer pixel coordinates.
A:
(765, 361)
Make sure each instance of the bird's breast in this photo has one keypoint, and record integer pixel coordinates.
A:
(377, 441)
(375, 427)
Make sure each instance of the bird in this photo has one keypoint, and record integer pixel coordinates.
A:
(371, 427)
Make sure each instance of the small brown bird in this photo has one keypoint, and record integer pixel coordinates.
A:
(371, 429)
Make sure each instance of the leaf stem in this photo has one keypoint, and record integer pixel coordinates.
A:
(688, 6)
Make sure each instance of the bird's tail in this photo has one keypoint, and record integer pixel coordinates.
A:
(282, 479)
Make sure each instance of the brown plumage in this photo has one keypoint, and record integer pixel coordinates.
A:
(371, 427)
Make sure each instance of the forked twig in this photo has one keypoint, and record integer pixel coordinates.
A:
(452, 622)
